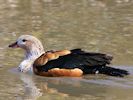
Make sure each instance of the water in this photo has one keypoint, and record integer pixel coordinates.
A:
(94, 25)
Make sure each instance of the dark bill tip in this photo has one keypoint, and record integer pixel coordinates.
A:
(13, 45)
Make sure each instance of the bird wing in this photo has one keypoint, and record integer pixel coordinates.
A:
(74, 59)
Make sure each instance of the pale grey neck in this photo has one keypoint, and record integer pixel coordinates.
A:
(34, 53)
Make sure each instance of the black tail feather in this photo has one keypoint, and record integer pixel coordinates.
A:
(106, 70)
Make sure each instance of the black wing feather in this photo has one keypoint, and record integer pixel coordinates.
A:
(88, 62)
(77, 59)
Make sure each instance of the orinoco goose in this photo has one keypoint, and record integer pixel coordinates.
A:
(73, 63)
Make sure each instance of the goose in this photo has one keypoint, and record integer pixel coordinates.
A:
(69, 63)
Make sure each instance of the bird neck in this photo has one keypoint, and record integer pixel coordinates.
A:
(34, 52)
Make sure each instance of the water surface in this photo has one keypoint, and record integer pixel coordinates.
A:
(94, 25)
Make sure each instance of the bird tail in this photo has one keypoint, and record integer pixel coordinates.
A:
(107, 70)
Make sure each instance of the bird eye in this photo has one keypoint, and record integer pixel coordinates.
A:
(24, 40)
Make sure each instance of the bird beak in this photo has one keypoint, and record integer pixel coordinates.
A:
(13, 45)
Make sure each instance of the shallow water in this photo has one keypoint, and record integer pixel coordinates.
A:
(94, 25)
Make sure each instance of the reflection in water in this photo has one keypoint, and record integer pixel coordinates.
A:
(90, 86)
(31, 91)
(62, 87)
(94, 25)
(45, 87)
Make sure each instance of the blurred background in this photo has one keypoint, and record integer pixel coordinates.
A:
(93, 25)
